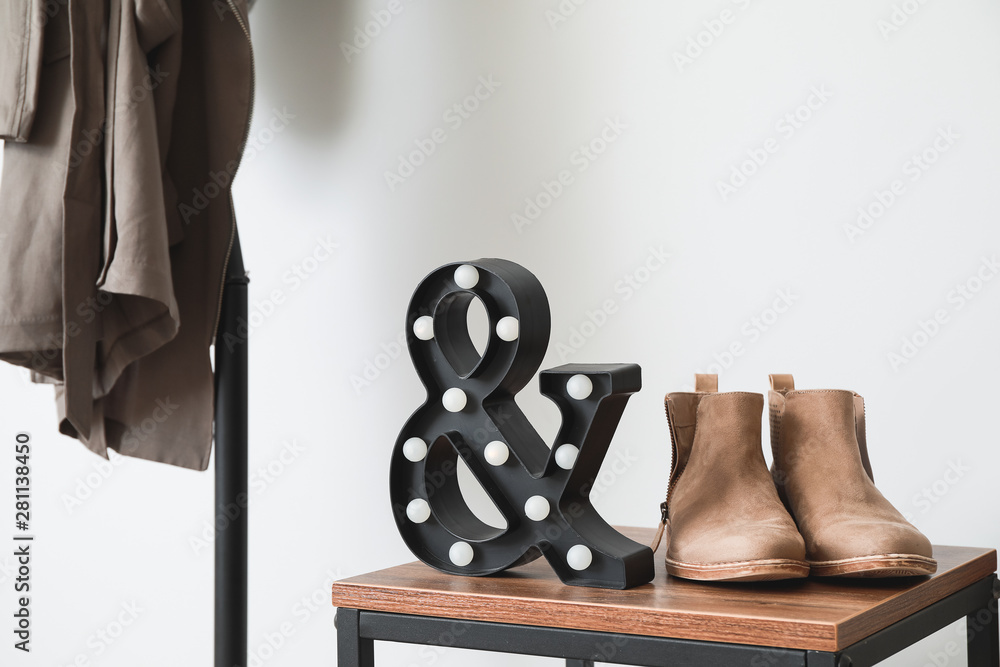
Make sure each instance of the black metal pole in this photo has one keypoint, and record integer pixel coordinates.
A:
(231, 468)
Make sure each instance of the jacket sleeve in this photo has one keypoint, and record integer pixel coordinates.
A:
(22, 23)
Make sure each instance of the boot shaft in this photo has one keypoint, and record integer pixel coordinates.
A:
(816, 433)
(716, 430)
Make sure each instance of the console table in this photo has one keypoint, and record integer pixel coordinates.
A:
(672, 622)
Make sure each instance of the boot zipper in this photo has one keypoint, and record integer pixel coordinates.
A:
(659, 530)
(246, 136)
(664, 521)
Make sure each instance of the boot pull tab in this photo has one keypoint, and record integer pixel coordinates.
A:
(782, 382)
(664, 523)
(705, 382)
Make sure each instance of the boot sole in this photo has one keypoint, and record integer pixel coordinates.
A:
(884, 565)
(749, 570)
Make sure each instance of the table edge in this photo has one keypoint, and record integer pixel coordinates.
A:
(813, 635)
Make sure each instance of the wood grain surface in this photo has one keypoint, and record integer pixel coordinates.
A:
(817, 614)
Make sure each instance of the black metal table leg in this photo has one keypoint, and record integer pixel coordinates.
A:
(353, 650)
(231, 469)
(983, 633)
(822, 659)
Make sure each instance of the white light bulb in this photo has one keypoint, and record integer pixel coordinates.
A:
(454, 400)
(566, 456)
(536, 508)
(415, 449)
(508, 328)
(466, 276)
(496, 453)
(460, 553)
(423, 327)
(579, 557)
(579, 387)
(418, 510)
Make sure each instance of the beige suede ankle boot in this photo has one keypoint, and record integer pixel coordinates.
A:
(823, 475)
(723, 519)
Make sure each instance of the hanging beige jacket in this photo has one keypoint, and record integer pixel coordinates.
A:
(125, 122)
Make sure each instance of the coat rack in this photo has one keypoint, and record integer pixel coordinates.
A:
(231, 467)
(231, 463)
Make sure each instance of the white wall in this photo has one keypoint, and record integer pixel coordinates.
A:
(320, 179)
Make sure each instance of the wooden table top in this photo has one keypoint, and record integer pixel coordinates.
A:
(816, 614)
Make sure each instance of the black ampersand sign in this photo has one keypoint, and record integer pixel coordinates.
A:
(470, 412)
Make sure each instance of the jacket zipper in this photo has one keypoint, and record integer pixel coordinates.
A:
(246, 136)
